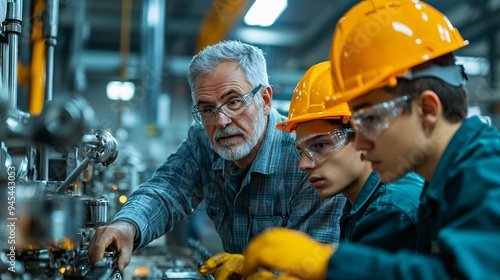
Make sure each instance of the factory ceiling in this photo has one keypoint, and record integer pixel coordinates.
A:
(91, 31)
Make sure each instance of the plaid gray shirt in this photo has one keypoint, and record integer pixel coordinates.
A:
(273, 193)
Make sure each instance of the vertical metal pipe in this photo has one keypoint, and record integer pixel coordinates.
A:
(12, 68)
(50, 33)
(153, 29)
(49, 67)
(76, 73)
(4, 53)
(5, 67)
(13, 29)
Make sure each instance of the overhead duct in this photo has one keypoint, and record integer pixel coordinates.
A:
(219, 20)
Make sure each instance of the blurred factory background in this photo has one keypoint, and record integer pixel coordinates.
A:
(128, 59)
(165, 34)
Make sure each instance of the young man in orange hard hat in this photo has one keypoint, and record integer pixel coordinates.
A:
(376, 214)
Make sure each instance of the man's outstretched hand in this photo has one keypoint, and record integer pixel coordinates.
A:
(120, 236)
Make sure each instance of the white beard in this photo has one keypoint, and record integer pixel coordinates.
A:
(230, 149)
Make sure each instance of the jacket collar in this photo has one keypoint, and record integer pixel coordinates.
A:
(369, 187)
(454, 152)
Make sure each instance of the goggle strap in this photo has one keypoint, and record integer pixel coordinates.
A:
(452, 74)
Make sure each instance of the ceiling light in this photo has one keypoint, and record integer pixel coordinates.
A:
(116, 90)
(265, 12)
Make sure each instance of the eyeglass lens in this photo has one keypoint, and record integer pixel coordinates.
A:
(230, 109)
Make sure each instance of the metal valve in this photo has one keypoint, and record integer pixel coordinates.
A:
(98, 147)
(101, 148)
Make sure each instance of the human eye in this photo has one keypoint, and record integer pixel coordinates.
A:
(234, 103)
(369, 119)
(206, 111)
(320, 145)
(204, 107)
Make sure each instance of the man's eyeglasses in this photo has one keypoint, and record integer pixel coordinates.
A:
(319, 145)
(373, 120)
(230, 109)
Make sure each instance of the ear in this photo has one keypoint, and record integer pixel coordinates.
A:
(267, 97)
(430, 107)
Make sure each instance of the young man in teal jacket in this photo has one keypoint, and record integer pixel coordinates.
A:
(409, 106)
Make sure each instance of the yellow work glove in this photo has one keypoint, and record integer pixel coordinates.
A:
(224, 266)
(267, 275)
(289, 251)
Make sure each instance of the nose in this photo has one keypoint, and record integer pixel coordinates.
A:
(221, 119)
(306, 163)
(362, 143)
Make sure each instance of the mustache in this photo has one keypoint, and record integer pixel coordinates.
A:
(224, 132)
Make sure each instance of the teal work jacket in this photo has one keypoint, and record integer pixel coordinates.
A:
(384, 215)
(458, 231)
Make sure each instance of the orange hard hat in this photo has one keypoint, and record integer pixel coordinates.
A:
(377, 41)
(312, 99)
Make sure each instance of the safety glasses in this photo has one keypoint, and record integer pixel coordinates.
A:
(318, 146)
(371, 121)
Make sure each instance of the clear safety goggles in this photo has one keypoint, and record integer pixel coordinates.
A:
(318, 146)
(230, 109)
(371, 121)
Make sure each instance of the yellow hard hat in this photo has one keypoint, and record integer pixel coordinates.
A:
(377, 41)
(312, 99)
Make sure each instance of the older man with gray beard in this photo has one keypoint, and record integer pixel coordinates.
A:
(234, 159)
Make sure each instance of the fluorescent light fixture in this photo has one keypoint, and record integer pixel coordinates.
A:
(153, 13)
(116, 90)
(265, 12)
(266, 36)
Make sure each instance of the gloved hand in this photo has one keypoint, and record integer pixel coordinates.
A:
(224, 265)
(267, 275)
(289, 251)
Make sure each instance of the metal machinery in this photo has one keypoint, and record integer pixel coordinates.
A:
(57, 181)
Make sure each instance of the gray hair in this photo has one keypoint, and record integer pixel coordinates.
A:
(250, 59)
